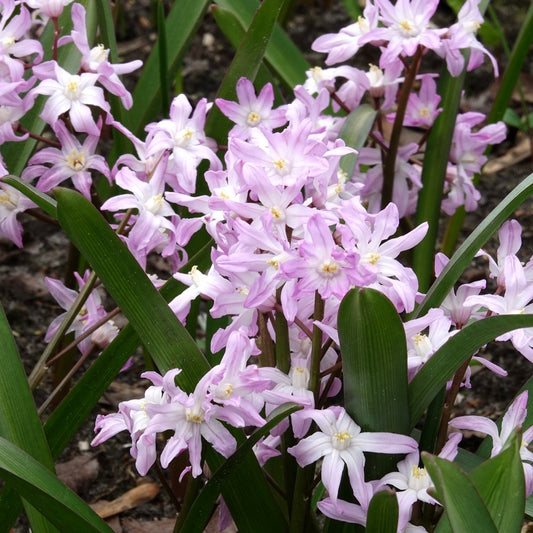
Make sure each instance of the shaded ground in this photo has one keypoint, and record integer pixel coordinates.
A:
(30, 309)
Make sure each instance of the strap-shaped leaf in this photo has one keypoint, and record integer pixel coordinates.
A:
(374, 361)
(433, 174)
(462, 257)
(354, 132)
(463, 504)
(245, 63)
(19, 423)
(167, 340)
(383, 513)
(448, 358)
(500, 482)
(181, 24)
(248, 495)
(45, 492)
(47, 204)
(282, 54)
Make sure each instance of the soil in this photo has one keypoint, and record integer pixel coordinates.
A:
(29, 308)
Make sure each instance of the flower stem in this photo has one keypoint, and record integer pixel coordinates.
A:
(316, 350)
(390, 159)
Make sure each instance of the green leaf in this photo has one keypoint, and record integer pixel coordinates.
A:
(45, 202)
(167, 341)
(462, 503)
(374, 361)
(181, 24)
(19, 423)
(45, 492)
(201, 510)
(355, 132)
(234, 32)
(245, 63)
(353, 8)
(448, 358)
(500, 482)
(282, 54)
(462, 257)
(434, 172)
(382, 513)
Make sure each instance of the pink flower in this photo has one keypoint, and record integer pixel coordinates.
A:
(74, 160)
(513, 419)
(12, 202)
(340, 443)
(151, 224)
(322, 265)
(251, 111)
(51, 8)
(92, 311)
(96, 59)
(345, 44)
(184, 136)
(73, 93)
(13, 41)
(406, 28)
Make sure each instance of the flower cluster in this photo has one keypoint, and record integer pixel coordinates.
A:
(295, 225)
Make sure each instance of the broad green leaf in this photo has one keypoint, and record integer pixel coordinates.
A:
(167, 340)
(19, 423)
(200, 512)
(433, 173)
(79, 402)
(374, 361)
(45, 492)
(181, 24)
(231, 27)
(282, 54)
(500, 482)
(245, 63)
(465, 253)
(47, 204)
(382, 513)
(462, 503)
(448, 358)
(355, 132)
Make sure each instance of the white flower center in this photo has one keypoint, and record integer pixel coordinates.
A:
(98, 54)
(419, 479)
(375, 75)
(408, 29)
(253, 118)
(8, 41)
(341, 440)
(154, 204)
(7, 113)
(371, 258)
(194, 414)
(299, 377)
(184, 137)
(8, 199)
(76, 160)
(329, 268)
(72, 88)
(423, 346)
